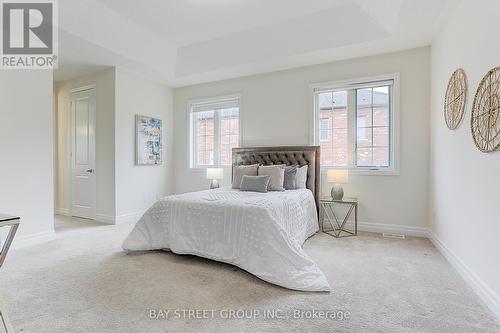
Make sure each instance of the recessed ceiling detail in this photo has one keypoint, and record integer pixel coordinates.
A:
(318, 31)
(192, 41)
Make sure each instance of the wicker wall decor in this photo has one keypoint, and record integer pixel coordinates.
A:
(485, 117)
(455, 99)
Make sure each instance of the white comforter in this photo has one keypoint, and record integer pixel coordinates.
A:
(261, 233)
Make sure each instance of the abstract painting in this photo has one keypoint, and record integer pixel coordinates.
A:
(148, 135)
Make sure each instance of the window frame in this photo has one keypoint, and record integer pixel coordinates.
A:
(190, 135)
(394, 125)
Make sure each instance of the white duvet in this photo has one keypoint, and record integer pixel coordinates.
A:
(261, 233)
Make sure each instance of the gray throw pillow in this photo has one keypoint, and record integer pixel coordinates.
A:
(277, 174)
(301, 177)
(290, 181)
(240, 170)
(255, 183)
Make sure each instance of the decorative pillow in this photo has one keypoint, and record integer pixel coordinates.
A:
(240, 170)
(255, 183)
(277, 173)
(290, 181)
(301, 177)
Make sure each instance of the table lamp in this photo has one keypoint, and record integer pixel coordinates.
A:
(337, 177)
(214, 174)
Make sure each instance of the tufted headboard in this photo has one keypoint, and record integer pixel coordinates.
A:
(289, 155)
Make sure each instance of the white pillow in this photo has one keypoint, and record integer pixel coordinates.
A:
(277, 174)
(301, 177)
(240, 170)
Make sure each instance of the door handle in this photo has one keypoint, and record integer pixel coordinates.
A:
(90, 170)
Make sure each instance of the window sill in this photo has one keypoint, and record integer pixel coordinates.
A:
(203, 169)
(366, 172)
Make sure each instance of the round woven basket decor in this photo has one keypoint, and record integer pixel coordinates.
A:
(485, 117)
(455, 99)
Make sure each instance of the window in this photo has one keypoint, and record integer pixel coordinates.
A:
(354, 124)
(333, 109)
(214, 131)
(372, 126)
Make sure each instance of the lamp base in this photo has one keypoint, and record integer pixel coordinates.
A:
(337, 192)
(214, 184)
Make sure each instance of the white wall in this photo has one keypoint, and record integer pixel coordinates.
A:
(138, 187)
(276, 108)
(465, 183)
(26, 150)
(105, 142)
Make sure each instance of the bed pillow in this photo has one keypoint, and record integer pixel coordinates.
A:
(255, 183)
(301, 177)
(240, 170)
(277, 174)
(290, 181)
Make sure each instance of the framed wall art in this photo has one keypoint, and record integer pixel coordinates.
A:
(455, 99)
(148, 141)
(485, 117)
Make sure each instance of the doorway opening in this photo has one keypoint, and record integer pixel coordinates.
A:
(75, 171)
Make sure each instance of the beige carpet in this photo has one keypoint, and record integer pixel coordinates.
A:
(83, 282)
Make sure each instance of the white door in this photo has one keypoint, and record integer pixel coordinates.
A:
(83, 172)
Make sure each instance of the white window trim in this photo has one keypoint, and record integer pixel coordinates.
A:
(394, 169)
(190, 147)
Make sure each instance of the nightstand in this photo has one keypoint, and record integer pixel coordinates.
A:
(338, 228)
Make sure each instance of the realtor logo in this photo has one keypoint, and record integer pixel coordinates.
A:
(29, 34)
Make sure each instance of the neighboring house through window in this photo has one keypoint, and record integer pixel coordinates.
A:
(355, 124)
(324, 129)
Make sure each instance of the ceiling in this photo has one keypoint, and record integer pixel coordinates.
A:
(183, 42)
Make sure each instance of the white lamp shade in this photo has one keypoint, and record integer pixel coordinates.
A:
(214, 173)
(339, 176)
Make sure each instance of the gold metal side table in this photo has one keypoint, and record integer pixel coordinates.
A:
(338, 228)
(13, 223)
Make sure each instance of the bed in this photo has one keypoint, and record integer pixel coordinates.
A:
(262, 233)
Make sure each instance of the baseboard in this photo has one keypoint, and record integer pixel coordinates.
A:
(123, 218)
(485, 293)
(63, 211)
(129, 217)
(33, 239)
(391, 228)
(105, 218)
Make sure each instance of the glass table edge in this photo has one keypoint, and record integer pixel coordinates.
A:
(344, 200)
